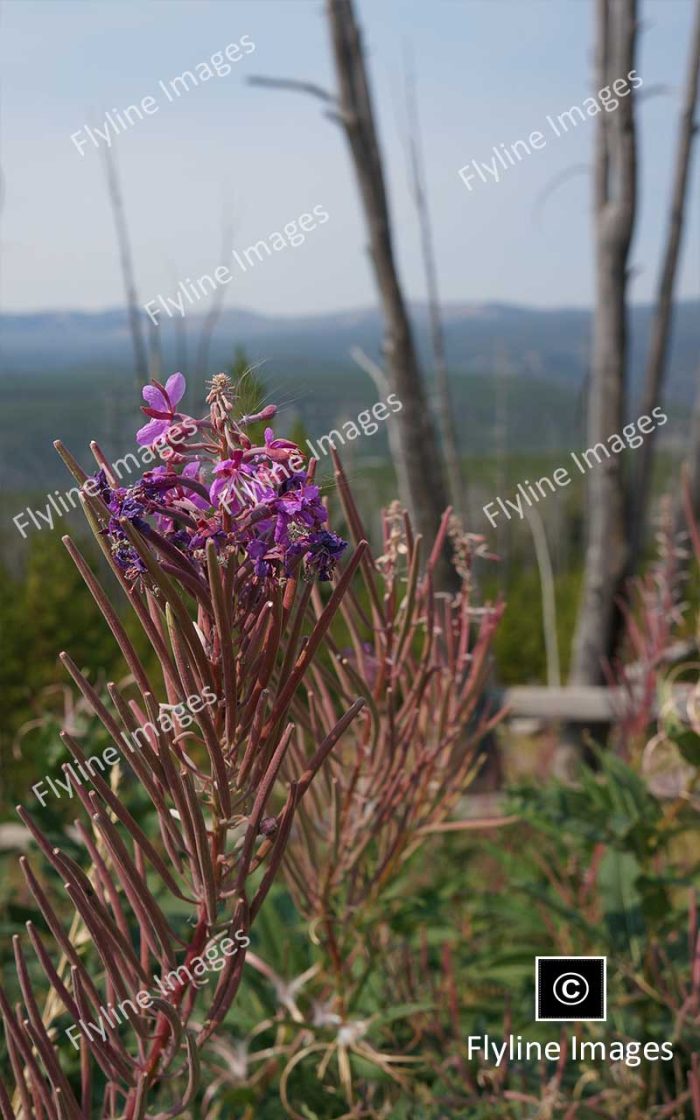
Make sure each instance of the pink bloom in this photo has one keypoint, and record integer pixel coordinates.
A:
(192, 471)
(272, 441)
(161, 400)
(226, 472)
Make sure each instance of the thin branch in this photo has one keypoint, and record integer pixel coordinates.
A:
(212, 317)
(132, 300)
(381, 381)
(295, 84)
(549, 606)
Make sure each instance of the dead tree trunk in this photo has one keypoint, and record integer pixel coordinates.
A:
(214, 313)
(416, 436)
(688, 501)
(663, 311)
(615, 204)
(694, 459)
(141, 371)
(445, 408)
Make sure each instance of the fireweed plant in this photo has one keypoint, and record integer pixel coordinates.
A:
(408, 964)
(216, 550)
(419, 659)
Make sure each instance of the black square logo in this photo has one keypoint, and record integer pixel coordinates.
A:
(570, 989)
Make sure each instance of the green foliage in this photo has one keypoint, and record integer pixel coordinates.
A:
(519, 642)
(250, 387)
(49, 609)
(594, 869)
(612, 806)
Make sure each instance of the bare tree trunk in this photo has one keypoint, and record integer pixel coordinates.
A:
(214, 313)
(691, 478)
(2, 208)
(445, 408)
(694, 459)
(180, 328)
(132, 301)
(155, 353)
(663, 311)
(416, 437)
(549, 602)
(615, 205)
(383, 387)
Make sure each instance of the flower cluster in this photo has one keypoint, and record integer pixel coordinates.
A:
(255, 500)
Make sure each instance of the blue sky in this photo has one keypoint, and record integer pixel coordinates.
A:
(488, 72)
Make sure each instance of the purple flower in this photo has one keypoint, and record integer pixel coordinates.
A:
(224, 485)
(101, 485)
(325, 548)
(299, 504)
(191, 471)
(125, 502)
(257, 551)
(181, 538)
(161, 400)
(302, 501)
(208, 528)
(157, 481)
(271, 442)
(128, 560)
(276, 519)
(164, 486)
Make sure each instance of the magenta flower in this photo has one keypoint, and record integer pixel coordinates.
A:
(161, 400)
(164, 485)
(226, 473)
(220, 489)
(192, 471)
(272, 442)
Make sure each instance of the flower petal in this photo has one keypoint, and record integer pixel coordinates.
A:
(216, 488)
(153, 396)
(150, 432)
(175, 387)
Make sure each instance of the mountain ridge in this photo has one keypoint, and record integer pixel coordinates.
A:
(549, 343)
(518, 376)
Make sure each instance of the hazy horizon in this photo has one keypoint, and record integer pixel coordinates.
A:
(368, 307)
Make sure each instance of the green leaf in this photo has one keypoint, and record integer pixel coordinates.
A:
(403, 1010)
(621, 899)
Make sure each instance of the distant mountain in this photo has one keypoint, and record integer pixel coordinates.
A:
(517, 387)
(522, 341)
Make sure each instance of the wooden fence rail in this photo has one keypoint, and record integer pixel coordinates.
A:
(579, 703)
